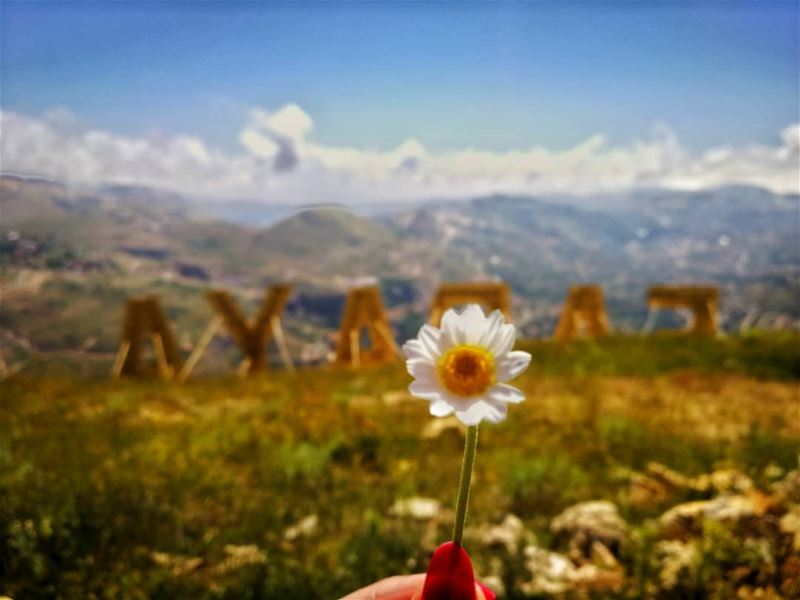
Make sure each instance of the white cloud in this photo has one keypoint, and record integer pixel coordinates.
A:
(258, 143)
(290, 122)
(280, 161)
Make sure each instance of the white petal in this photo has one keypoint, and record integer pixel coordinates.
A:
(452, 334)
(414, 349)
(504, 394)
(457, 402)
(421, 368)
(494, 324)
(440, 408)
(503, 341)
(512, 365)
(473, 324)
(480, 410)
(425, 390)
(428, 336)
(496, 412)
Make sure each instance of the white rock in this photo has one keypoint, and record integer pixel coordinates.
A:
(303, 528)
(679, 562)
(587, 522)
(240, 556)
(551, 564)
(727, 480)
(552, 572)
(507, 534)
(423, 509)
(682, 518)
(790, 525)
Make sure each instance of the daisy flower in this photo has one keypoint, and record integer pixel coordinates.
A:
(463, 366)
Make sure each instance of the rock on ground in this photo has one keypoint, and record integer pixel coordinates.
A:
(685, 519)
(422, 509)
(506, 535)
(587, 522)
(554, 573)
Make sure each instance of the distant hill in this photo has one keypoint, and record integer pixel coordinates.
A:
(737, 237)
(69, 257)
(521, 240)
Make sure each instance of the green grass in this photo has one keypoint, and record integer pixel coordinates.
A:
(143, 489)
(759, 354)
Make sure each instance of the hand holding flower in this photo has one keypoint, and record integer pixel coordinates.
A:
(460, 368)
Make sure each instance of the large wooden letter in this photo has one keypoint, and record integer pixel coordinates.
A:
(490, 295)
(700, 300)
(584, 313)
(145, 317)
(364, 310)
(253, 337)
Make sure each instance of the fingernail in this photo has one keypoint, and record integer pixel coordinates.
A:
(450, 575)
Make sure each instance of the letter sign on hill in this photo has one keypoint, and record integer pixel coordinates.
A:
(252, 337)
(364, 313)
(700, 300)
(490, 295)
(145, 318)
(584, 313)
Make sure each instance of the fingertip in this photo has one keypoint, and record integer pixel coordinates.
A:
(401, 587)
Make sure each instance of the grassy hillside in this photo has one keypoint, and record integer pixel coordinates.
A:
(288, 486)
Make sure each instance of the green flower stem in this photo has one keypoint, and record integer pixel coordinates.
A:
(467, 464)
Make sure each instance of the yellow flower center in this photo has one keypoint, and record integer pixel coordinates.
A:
(466, 370)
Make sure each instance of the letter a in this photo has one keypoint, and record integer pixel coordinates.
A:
(145, 317)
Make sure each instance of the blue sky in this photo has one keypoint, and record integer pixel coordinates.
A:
(453, 76)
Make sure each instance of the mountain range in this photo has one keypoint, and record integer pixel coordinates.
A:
(71, 256)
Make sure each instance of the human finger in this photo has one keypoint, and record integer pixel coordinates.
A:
(399, 587)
